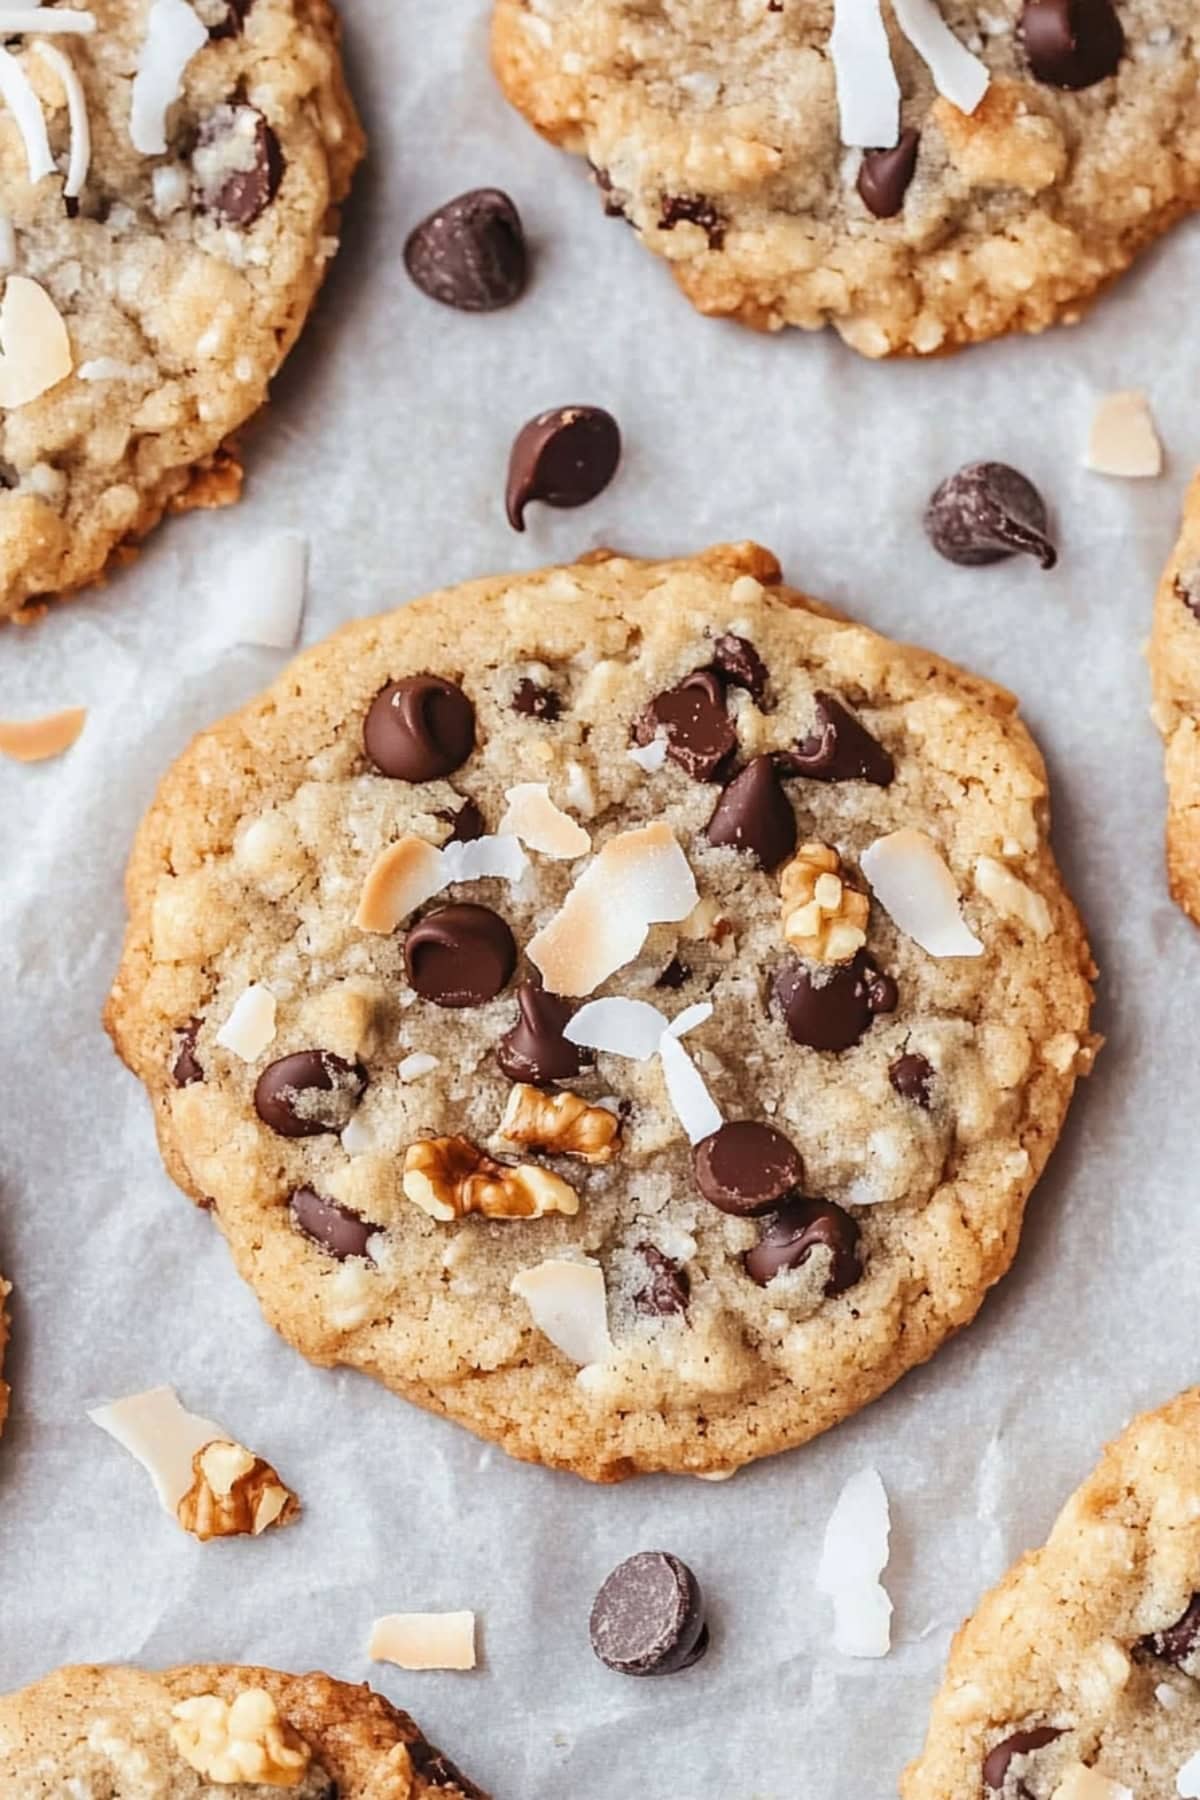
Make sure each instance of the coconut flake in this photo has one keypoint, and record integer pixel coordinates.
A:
(63, 19)
(401, 878)
(109, 368)
(957, 75)
(630, 1028)
(532, 816)
(1082, 1783)
(689, 1018)
(22, 103)
(1187, 1782)
(910, 880)
(36, 351)
(1012, 898)
(695, 1107)
(164, 1437)
(424, 1640)
(357, 1139)
(261, 598)
(868, 93)
(250, 1027)
(650, 757)
(853, 1557)
(80, 159)
(569, 1305)
(484, 859)
(1122, 440)
(412, 1068)
(173, 36)
(36, 740)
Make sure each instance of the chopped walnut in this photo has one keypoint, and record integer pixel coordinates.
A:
(450, 1177)
(234, 1494)
(823, 918)
(562, 1123)
(247, 1740)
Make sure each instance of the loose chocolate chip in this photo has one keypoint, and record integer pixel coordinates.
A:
(535, 1050)
(669, 1288)
(536, 702)
(419, 729)
(693, 209)
(674, 975)
(837, 749)
(186, 1067)
(237, 164)
(468, 822)
(700, 734)
(1021, 1743)
(755, 815)
(309, 1092)
(334, 1227)
(912, 1078)
(648, 1618)
(986, 512)
(1178, 1643)
(747, 1167)
(564, 457)
(470, 253)
(736, 659)
(460, 955)
(884, 175)
(439, 1772)
(834, 1013)
(1072, 43)
(796, 1231)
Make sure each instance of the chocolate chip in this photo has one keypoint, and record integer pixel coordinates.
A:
(674, 975)
(755, 815)
(912, 1078)
(237, 164)
(470, 253)
(669, 1288)
(224, 18)
(1021, 1743)
(736, 659)
(1072, 43)
(833, 1014)
(693, 209)
(536, 702)
(798, 1229)
(309, 1092)
(186, 1067)
(438, 1771)
(699, 732)
(334, 1227)
(648, 1618)
(460, 955)
(564, 457)
(419, 729)
(1179, 1643)
(468, 823)
(838, 749)
(747, 1167)
(884, 175)
(986, 512)
(535, 1050)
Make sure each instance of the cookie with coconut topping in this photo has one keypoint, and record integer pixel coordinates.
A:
(1175, 672)
(674, 1107)
(920, 174)
(1076, 1677)
(170, 178)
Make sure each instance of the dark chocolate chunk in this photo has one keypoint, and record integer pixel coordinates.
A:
(738, 662)
(237, 164)
(309, 1092)
(755, 815)
(1021, 1743)
(470, 253)
(699, 732)
(536, 702)
(419, 729)
(669, 1288)
(1179, 1643)
(796, 1231)
(468, 823)
(986, 512)
(912, 1078)
(884, 175)
(833, 1014)
(648, 1618)
(693, 209)
(334, 1227)
(186, 1066)
(535, 1050)
(460, 955)
(674, 975)
(564, 457)
(439, 1772)
(1072, 43)
(747, 1167)
(838, 748)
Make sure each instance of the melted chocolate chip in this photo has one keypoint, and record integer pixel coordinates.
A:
(468, 823)
(460, 955)
(1179, 1643)
(674, 975)
(1072, 43)
(747, 1167)
(834, 1013)
(837, 749)
(669, 1288)
(536, 702)
(564, 457)
(535, 1049)
(986, 512)
(470, 253)
(237, 164)
(693, 209)
(648, 1618)
(419, 729)
(334, 1227)
(912, 1078)
(699, 732)
(1021, 1743)
(884, 175)
(738, 662)
(309, 1092)
(186, 1067)
(796, 1231)
(438, 1771)
(755, 815)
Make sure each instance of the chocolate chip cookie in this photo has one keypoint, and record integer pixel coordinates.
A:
(1175, 673)
(1076, 1677)
(215, 1732)
(170, 176)
(920, 178)
(622, 1007)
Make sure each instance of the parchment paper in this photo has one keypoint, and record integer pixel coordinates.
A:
(386, 444)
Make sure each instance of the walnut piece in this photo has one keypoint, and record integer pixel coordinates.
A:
(449, 1177)
(245, 1741)
(234, 1494)
(823, 918)
(562, 1123)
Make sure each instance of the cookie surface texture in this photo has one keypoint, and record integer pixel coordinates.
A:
(1175, 673)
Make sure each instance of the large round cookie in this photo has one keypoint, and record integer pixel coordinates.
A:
(155, 305)
(1088, 1650)
(1175, 672)
(715, 132)
(115, 1731)
(923, 1093)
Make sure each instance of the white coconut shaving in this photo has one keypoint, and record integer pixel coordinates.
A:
(532, 816)
(162, 1435)
(491, 858)
(958, 76)
(868, 92)
(912, 883)
(1123, 440)
(638, 1031)
(568, 1302)
(853, 1557)
(80, 158)
(650, 757)
(173, 36)
(694, 1106)
(411, 871)
(260, 596)
(64, 20)
(639, 878)
(22, 103)
(250, 1027)
(1187, 1782)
